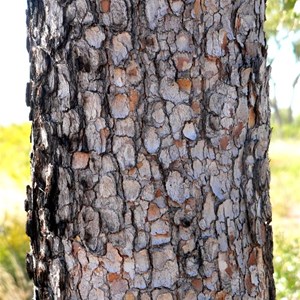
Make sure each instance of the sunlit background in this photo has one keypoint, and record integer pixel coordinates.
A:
(283, 32)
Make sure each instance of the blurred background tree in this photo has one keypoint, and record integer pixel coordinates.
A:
(283, 26)
(283, 22)
(282, 15)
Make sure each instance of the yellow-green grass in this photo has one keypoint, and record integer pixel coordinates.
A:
(14, 167)
(15, 150)
(285, 198)
(285, 186)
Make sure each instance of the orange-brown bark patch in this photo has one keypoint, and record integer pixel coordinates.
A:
(196, 107)
(221, 295)
(197, 284)
(80, 160)
(229, 271)
(248, 283)
(183, 63)
(139, 164)
(238, 129)
(158, 193)
(212, 58)
(133, 99)
(113, 276)
(129, 296)
(251, 118)
(104, 133)
(161, 235)
(252, 258)
(76, 246)
(132, 171)
(191, 202)
(185, 85)
(153, 212)
(105, 5)
(224, 142)
(263, 232)
(178, 143)
(237, 22)
(224, 42)
(197, 9)
(132, 71)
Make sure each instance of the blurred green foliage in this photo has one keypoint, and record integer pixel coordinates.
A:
(12, 243)
(286, 130)
(285, 197)
(287, 268)
(281, 14)
(284, 16)
(285, 193)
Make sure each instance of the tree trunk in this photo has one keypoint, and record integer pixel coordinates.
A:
(150, 131)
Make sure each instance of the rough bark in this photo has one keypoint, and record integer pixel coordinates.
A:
(150, 131)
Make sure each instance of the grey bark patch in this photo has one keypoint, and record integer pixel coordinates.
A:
(242, 111)
(165, 267)
(215, 42)
(169, 90)
(118, 11)
(94, 36)
(160, 232)
(92, 133)
(175, 187)
(151, 141)
(208, 212)
(63, 92)
(92, 105)
(155, 10)
(110, 220)
(125, 127)
(121, 44)
(183, 42)
(107, 186)
(112, 260)
(189, 131)
(198, 150)
(216, 186)
(96, 294)
(179, 115)
(142, 261)
(131, 189)
(144, 168)
(177, 7)
(192, 266)
(159, 116)
(120, 106)
(123, 147)
(119, 76)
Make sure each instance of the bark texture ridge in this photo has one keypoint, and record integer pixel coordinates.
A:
(150, 131)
